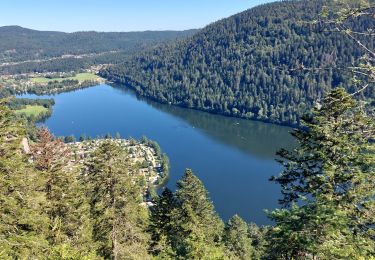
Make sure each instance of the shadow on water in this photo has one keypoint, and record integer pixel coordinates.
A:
(242, 134)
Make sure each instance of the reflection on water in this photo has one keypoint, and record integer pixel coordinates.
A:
(252, 137)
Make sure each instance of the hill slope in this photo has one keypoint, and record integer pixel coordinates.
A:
(19, 43)
(240, 66)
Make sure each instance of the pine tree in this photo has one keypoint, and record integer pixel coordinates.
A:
(70, 231)
(23, 224)
(115, 197)
(237, 240)
(197, 230)
(161, 226)
(331, 175)
(258, 241)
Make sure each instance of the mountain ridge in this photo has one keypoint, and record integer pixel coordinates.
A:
(19, 43)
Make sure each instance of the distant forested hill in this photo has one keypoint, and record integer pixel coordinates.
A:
(248, 65)
(20, 44)
(23, 50)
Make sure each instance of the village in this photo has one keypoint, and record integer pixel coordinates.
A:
(51, 82)
(142, 158)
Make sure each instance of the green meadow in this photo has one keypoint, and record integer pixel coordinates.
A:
(80, 77)
(32, 110)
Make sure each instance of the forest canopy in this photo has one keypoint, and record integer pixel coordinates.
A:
(271, 63)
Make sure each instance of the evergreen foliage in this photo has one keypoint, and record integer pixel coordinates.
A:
(23, 223)
(237, 240)
(161, 226)
(28, 44)
(270, 63)
(198, 229)
(185, 224)
(66, 206)
(42, 51)
(329, 183)
(118, 218)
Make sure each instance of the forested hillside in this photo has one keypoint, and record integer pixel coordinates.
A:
(25, 51)
(259, 64)
(19, 44)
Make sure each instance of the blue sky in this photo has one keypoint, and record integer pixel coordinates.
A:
(118, 15)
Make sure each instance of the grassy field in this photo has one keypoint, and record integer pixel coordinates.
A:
(80, 77)
(32, 110)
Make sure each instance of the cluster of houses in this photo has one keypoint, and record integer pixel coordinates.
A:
(22, 82)
(141, 157)
(15, 82)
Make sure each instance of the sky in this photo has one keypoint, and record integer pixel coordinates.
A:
(118, 15)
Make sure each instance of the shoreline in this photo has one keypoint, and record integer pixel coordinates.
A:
(136, 91)
(129, 87)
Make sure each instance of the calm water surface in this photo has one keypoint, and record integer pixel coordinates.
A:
(233, 157)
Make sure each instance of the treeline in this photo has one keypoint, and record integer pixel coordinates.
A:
(6, 92)
(50, 209)
(270, 63)
(20, 103)
(31, 118)
(66, 64)
(55, 87)
(52, 87)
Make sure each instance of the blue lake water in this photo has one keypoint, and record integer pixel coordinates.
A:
(233, 157)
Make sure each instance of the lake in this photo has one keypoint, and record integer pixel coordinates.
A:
(233, 157)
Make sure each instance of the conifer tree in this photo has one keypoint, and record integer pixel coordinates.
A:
(120, 221)
(23, 224)
(161, 226)
(237, 240)
(197, 230)
(258, 241)
(70, 231)
(331, 176)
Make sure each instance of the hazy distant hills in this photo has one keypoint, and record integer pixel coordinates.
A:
(241, 66)
(20, 44)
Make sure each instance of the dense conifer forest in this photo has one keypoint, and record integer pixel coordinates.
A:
(270, 63)
(24, 50)
(19, 44)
